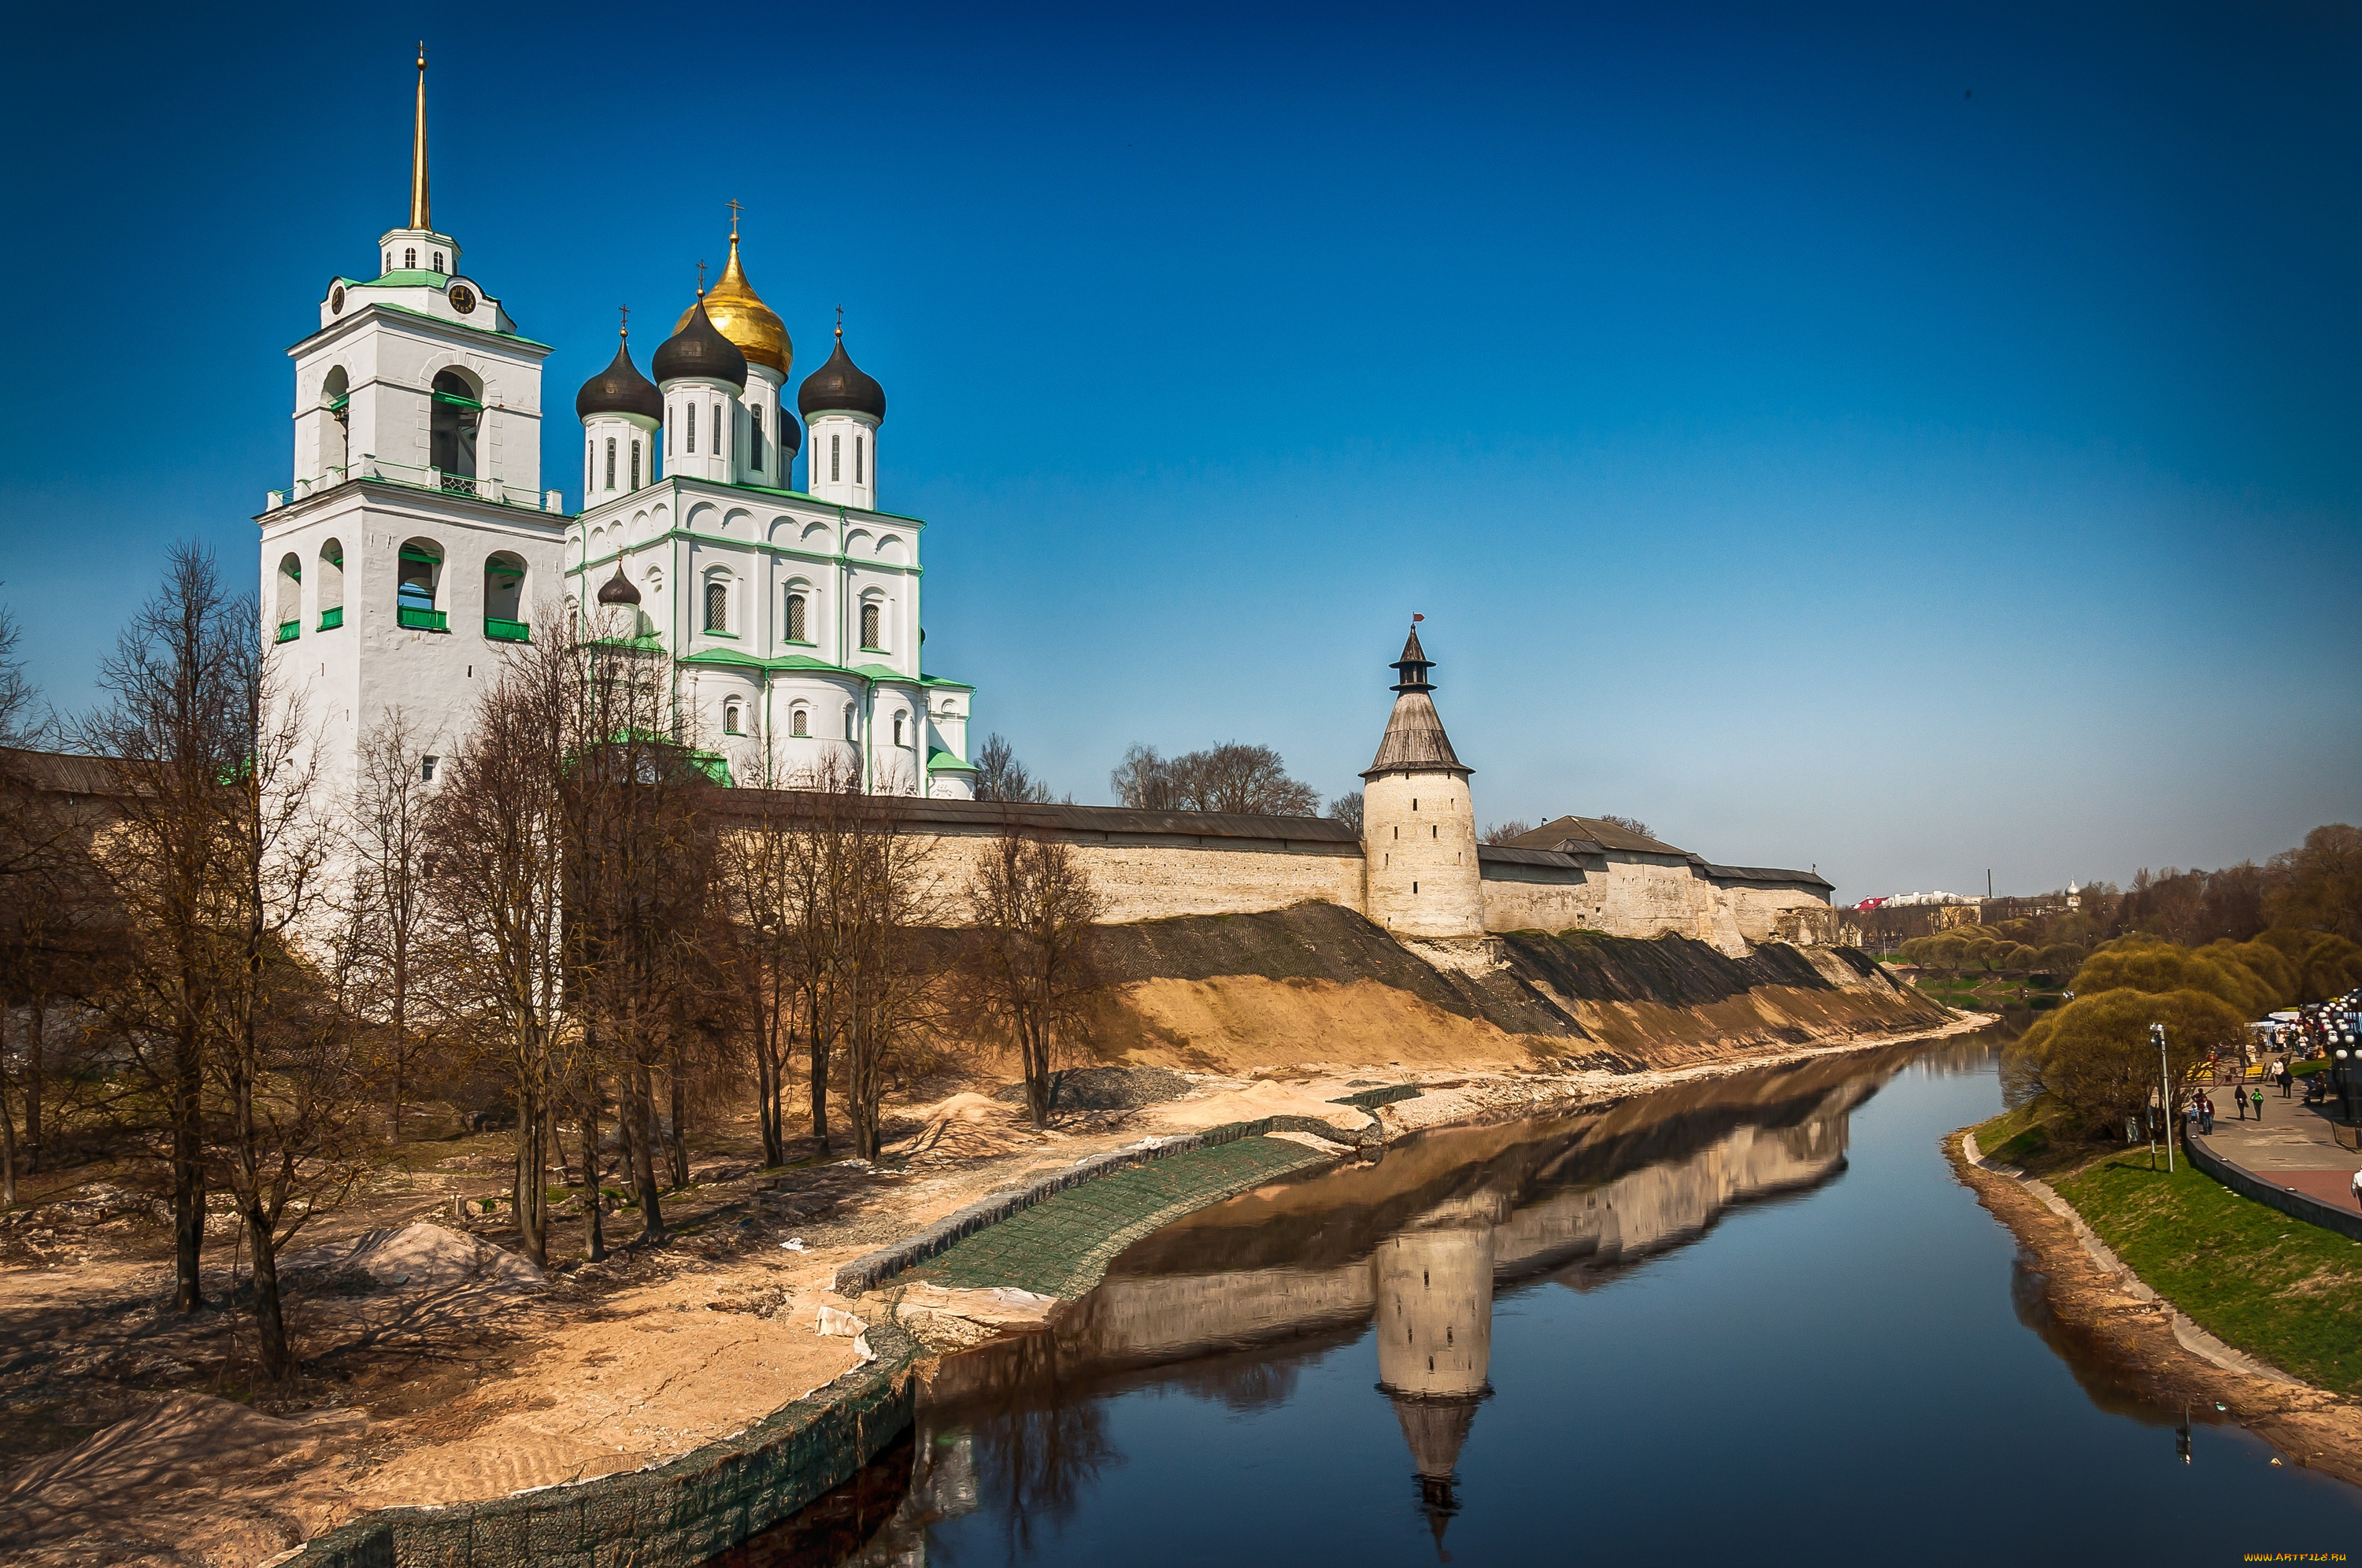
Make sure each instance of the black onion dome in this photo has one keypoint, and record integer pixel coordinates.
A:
(618, 589)
(792, 435)
(620, 389)
(698, 349)
(841, 387)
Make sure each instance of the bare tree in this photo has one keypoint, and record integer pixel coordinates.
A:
(639, 879)
(385, 905)
(761, 864)
(1033, 906)
(1631, 825)
(495, 888)
(1347, 809)
(1232, 777)
(1000, 777)
(174, 732)
(281, 1059)
(1502, 832)
(888, 900)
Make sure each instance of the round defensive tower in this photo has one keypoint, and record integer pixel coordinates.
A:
(1419, 821)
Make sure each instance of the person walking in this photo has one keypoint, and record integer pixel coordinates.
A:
(2357, 1189)
(2206, 1116)
(2257, 1096)
(2239, 1101)
(2279, 1071)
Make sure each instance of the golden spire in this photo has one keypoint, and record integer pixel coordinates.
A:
(419, 216)
(739, 313)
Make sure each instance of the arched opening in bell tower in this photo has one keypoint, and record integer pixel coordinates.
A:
(457, 410)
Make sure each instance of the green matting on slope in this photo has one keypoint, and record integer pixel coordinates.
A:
(1062, 1244)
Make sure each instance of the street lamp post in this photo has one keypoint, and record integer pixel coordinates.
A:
(2165, 1092)
(2345, 1092)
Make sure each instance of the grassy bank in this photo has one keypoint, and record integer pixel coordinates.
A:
(2274, 1286)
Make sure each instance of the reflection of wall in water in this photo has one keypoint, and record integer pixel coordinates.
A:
(942, 1486)
(1148, 1317)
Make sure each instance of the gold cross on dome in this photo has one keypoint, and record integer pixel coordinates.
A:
(627, 319)
(736, 208)
(701, 278)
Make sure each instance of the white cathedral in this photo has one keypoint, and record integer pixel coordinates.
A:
(417, 541)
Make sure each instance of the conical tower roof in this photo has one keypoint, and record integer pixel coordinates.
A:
(1415, 741)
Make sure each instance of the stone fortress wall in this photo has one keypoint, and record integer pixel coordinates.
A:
(1157, 864)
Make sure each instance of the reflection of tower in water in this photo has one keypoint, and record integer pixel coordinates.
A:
(1434, 1292)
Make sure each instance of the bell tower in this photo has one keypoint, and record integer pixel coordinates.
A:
(414, 538)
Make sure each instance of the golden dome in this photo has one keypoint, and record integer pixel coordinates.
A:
(740, 315)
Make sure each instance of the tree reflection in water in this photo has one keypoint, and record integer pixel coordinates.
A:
(1036, 1465)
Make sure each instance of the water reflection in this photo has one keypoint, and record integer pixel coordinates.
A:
(1407, 1247)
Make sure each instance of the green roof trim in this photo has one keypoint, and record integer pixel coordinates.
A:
(793, 495)
(405, 278)
(937, 680)
(941, 761)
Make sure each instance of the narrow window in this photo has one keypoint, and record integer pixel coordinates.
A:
(635, 462)
(587, 462)
(798, 723)
(438, 261)
(857, 460)
(869, 626)
(426, 769)
(410, 260)
(1435, 833)
(730, 720)
(692, 428)
(717, 430)
(754, 432)
(1414, 887)
(669, 424)
(717, 606)
(796, 618)
(898, 729)
(611, 463)
(1398, 830)
(851, 731)
(831, 457)
(1414, 802)
(389, 262)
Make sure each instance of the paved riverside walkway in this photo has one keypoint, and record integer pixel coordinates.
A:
(1062, 1244)
(2295, 1147)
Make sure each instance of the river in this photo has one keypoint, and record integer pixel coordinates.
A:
(1752, 1319)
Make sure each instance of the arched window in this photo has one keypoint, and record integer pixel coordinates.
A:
(452, 425)
(730, 719)
(330, 591)
(438, 261)
(692, 427)
(504, 599)
(635, 462)
(335, 399)
(796, 619)
(833, 441)
(754, 436)
(389, 264)
(857, 460)
(852, 730)
(669, 423)
(898, 729)
(798, 723)
(869, 629)
(418, 580)
(611, 463)
(410, 260)
(290, 599)
(718, 450)
(717, 606)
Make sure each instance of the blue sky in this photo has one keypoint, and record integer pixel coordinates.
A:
(1905, 440)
